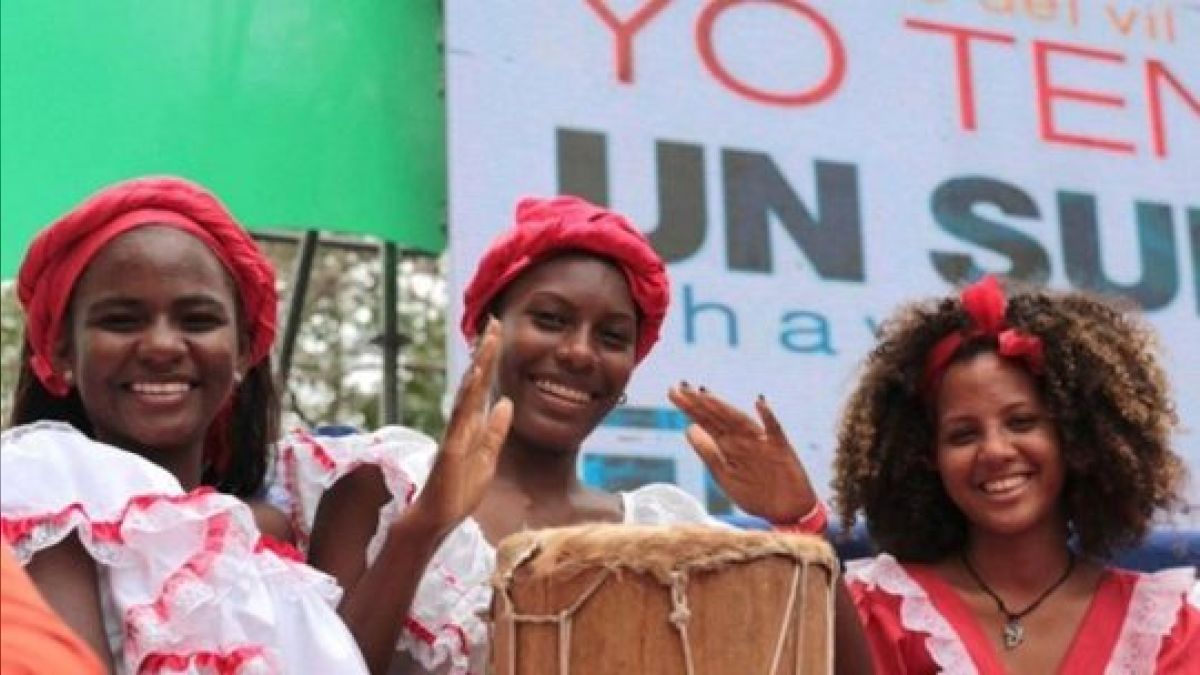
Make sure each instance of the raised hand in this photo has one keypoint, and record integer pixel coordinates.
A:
(466, 459)
(753, 462)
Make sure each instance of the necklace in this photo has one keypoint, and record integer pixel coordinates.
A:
(1014, 632)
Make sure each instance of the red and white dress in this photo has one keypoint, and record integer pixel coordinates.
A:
(445, 632)
(187, 584)
(1137, 623)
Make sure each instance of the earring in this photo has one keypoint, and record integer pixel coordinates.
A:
(622, 399)
(237, 378)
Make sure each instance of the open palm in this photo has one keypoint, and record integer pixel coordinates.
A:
(753, 462)
(466, 459)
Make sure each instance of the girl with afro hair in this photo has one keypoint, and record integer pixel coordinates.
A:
(1000, 450)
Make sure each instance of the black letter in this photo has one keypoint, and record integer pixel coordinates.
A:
(682, 224)
(755, 190)
(952, 203)
(1156, 246)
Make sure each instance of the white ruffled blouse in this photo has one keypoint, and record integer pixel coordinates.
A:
(445, 632)
(187, 584)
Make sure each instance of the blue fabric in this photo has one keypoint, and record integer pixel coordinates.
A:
(1162, 549)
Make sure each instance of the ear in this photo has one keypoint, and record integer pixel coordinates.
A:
(63, 359)
(241, 366)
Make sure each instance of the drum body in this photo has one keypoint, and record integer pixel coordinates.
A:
(680, 600)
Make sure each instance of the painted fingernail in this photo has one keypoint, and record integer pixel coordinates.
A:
(762, 398)
(683, 384)
(703, 389)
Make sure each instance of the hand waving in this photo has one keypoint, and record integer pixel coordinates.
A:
(754, 463)
(466, 459)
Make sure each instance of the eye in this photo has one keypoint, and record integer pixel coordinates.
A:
(619, 340)
(1023, 422)
(548, 320)
(956, 436)
(118, 322)
(202, 321)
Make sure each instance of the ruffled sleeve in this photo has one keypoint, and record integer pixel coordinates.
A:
(905, 631)
(1161, 629)
(186, 585)
(445, 631)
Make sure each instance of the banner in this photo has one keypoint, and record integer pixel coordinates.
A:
(298, 114)
(807, 166)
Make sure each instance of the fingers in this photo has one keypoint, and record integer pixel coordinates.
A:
(709, 411)
(769, 421)
(706, 447)
(484, 361)
(473, 390)
(496, 429)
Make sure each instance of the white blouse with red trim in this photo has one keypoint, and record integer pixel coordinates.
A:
(445, 632)
(187, 584)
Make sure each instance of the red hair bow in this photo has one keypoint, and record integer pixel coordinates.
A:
(985, 304)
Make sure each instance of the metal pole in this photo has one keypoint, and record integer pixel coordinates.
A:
(301, 272)
(390, 342)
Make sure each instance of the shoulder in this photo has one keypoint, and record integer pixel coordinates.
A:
(1160, 623)
(59, 450)
(54, 479)
(903, 623)
(308, 465)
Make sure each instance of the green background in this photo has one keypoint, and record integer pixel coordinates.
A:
(299, 114)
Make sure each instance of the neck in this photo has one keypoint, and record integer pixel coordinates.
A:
(1021, 564)
(538, 470)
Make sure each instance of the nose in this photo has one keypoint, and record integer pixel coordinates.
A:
(996, 445)
(575, 350)
(161, 342)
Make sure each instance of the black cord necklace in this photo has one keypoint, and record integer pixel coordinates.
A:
(1014, 632)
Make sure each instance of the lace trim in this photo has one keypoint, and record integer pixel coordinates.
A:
(917, 612)
(309, 465)
(306, 465)
(152, 630)
(1153, 610)
(240, 661)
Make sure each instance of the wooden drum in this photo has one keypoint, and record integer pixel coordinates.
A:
(681, 600)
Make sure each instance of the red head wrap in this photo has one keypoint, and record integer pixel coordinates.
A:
(985, 304)
(547, 226)
(60, 254)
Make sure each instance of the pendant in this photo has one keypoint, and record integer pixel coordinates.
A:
(1014, 634)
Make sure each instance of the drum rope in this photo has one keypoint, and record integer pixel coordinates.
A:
(564, 619)
(680, 615)
(802, 614)
(787, 619)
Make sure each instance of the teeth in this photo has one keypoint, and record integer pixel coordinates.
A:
(160, 388)
(1004, 484)
(563, 391)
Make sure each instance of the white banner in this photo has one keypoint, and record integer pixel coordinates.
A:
(806, 166)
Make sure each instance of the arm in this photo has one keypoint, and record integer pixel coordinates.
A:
(756, 466)
(271, 521)
(379, 595)
(851, 651)
(67, 578)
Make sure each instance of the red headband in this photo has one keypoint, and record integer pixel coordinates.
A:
(61, 252)
(546, 226)
(985, 304)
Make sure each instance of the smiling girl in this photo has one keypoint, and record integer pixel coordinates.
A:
(581, 296)
(145, 412)
(1001, 449)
